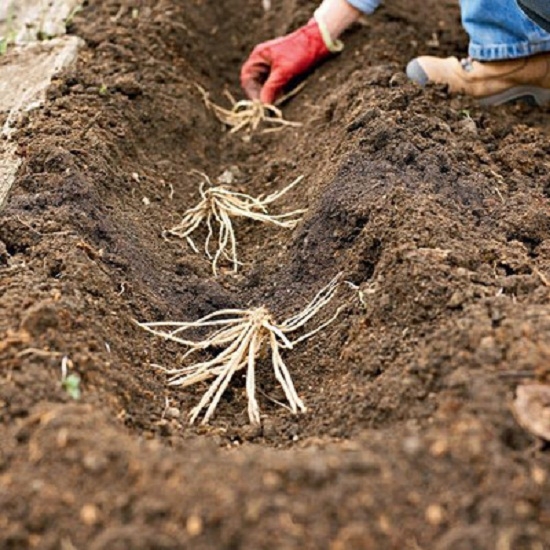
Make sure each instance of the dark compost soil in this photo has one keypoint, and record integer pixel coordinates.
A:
(437, 209)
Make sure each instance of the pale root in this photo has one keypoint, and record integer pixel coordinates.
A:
(219, 205)
(241, 334)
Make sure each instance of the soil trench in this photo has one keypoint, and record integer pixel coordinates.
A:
(434, 210)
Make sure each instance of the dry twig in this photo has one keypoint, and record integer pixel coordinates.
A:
(220, 204)
(247, 114)
(542, 277)
(241, 334)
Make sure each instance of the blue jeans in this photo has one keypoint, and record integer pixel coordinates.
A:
(498, 29)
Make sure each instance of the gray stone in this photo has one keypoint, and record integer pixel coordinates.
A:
(25, 21)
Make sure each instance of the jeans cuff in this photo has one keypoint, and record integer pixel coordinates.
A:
(497, 52)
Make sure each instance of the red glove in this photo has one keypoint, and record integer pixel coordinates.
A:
(274, 64)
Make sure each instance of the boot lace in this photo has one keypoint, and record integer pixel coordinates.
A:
(466, 64)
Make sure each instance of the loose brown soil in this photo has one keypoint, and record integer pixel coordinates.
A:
(439, 212)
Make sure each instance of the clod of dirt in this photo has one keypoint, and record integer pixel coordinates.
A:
(532, 409)
(40, 318)
(128, 86)
(4, 256)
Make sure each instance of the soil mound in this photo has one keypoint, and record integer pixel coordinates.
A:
(435, 211)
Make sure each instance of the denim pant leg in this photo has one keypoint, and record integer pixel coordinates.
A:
(499, 29)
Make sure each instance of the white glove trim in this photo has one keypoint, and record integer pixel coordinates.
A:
(333, 46)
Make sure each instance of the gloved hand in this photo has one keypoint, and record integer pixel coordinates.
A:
(274, 64)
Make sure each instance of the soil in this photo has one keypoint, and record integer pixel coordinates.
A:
(436, 209)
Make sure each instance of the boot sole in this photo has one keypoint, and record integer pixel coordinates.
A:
(541, 96)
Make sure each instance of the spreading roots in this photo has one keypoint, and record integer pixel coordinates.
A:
(247, 114)
(219, 205)
(241, 334)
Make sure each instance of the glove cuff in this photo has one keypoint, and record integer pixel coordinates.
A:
(333, 46)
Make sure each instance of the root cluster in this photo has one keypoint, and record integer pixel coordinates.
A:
(242, 334)
(219, 205)
(247, 114)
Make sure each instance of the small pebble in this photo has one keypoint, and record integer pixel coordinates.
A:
(194, 525)
(173, 413)
(435, 514)
(89, 514)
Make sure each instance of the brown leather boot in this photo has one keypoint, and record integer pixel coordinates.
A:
(492, 82)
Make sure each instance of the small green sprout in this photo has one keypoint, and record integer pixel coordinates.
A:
(70, 383)
(103, 89)
(5, 41)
